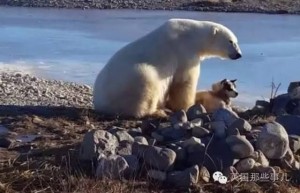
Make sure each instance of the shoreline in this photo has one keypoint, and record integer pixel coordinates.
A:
(227, 6)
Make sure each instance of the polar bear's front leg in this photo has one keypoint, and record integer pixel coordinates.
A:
(182, 91)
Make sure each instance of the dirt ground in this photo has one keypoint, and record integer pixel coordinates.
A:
(49, 163)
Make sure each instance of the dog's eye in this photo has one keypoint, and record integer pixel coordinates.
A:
(230, 41)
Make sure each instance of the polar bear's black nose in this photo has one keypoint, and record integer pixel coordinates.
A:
(238, 55)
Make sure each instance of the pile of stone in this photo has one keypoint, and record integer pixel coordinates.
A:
(190, 147)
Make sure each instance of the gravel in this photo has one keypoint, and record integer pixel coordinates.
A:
(257, 6)
(27, 90)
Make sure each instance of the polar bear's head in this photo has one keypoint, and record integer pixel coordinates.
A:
(223, 43)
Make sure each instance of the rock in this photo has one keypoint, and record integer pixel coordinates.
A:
(96, 142)
(273, 141)
(159, 158)
(268, 172)
(112, 167)
(240, 146)
(253, 135)
(242, 125)
(295, 93)
(5, 142)
(133, 165)
(186, 126)
(219, 128)
(204, 174)
(205, 119)
(148, 126)
(217, 157)
(157, 136)
(261, 158)
(184, 178)
(289, 161)
(171, 134)
(292, 86)
(157, 175)
(124, 136)
(200, 132)
(181, 153)
(290, 123)
(3, 131)
(114, 129)
(191, 142)
(124, 148)
(141, 139)
(293, 107)
(294, 143)
(232, 131)
(195, 148)
(195, 112)
(245, 165)
(197, 122)
(262, 104)
(152, 142)
(279, 104)
(225, 115)
(134, 132)
(37, 120)
(231, 173)
(178, 117)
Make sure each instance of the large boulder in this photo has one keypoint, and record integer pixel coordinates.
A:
(97, 142)
(291, 123)
(279, 104)
(273, 141)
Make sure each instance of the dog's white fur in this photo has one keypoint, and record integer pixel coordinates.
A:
(161, 69)
(218, 97)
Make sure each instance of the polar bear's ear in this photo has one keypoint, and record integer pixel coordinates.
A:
(215, 30)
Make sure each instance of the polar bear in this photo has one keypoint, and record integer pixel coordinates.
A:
(161, 69)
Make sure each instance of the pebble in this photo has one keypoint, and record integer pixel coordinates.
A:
(245, 165)
(240, 146)
(195, 112)
(185, 178)
(124, 136)
(29, 88)
(159, 158)
(242, 125)
(157, 175)
(224, 115)
(178, 117)
(141, 139)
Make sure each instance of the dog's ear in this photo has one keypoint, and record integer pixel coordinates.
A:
(223, 81)
(234, 80)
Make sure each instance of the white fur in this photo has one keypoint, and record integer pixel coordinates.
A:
(160, 69)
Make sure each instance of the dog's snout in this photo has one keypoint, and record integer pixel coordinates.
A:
(236, 94)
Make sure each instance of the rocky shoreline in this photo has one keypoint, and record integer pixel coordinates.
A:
(47, 127)
(253, 6)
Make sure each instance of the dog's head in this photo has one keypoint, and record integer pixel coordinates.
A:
(227, 86)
